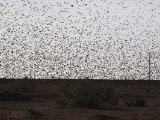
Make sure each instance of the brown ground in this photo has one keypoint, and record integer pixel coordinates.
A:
(43, 105)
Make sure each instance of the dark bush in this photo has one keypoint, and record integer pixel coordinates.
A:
(88, 96)
(140, 102)
(93, 97)
(135, 102)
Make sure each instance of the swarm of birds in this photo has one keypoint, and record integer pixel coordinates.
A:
(102, 39)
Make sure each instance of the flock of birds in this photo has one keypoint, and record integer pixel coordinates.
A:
(96, 39)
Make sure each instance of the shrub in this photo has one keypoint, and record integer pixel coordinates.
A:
(140, 102)
(92, 97)
(135, 102)
(89, 96)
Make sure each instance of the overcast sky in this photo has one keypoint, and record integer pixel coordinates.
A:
(108, 39)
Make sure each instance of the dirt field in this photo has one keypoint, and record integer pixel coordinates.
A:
(37, 100)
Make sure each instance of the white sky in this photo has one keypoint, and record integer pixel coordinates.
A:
(106, 39)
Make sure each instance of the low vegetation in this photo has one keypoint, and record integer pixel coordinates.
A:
(88, 96)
